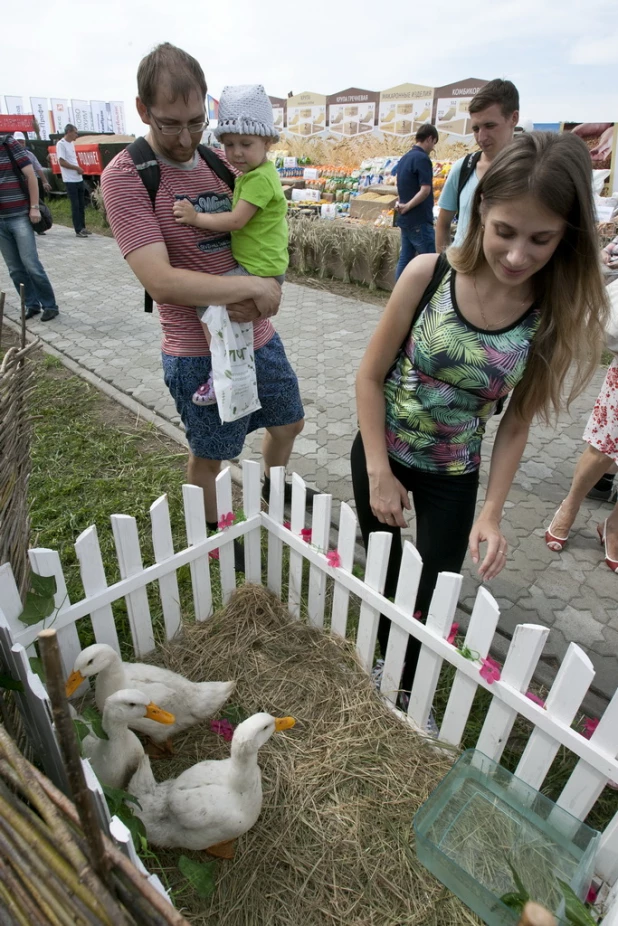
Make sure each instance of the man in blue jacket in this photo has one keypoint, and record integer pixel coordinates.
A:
(415, 198)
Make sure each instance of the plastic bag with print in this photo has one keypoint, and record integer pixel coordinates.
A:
(233, 364)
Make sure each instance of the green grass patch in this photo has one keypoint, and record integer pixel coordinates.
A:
(92, 459)
(60, 208)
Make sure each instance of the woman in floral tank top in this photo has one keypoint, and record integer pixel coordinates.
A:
(521, 303)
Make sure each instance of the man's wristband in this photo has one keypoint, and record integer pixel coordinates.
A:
(35, 207)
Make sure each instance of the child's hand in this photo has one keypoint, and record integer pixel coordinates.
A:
(184, 212)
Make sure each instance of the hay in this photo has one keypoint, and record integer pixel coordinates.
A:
(334, 842)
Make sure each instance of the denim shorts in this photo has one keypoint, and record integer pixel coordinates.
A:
(206, 435)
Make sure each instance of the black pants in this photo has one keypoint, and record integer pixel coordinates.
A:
(75, 192)
(444, 507)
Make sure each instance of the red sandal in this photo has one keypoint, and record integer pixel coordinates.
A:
(602, 532)
(556, 544)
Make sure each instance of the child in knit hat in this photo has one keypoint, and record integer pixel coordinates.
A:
(257, 222)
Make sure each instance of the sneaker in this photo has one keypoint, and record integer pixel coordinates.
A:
(82, 234)
(32, 310)
(205, 394)
(48, 314)
(377, 672)
(86, 232)
(604, 490)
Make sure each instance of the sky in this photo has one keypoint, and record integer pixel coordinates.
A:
(561, 54)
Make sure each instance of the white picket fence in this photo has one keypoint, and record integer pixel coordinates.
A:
(597, 757)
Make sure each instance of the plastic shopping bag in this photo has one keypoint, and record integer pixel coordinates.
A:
(233, 364)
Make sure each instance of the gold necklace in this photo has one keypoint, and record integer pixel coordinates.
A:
(483, 316)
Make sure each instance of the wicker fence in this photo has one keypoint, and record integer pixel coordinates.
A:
(16, 375)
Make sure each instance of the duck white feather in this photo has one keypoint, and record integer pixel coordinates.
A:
(212, 802)
(190, 702)
(116, 759)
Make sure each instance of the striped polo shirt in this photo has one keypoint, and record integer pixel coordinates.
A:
(135, 225)
(12, 199)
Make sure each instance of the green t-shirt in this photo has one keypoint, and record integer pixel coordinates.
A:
(261, 247)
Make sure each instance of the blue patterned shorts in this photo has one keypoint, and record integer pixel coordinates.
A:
(207, 436)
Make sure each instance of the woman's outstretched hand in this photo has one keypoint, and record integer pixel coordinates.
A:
(487, 530)
(388, 498)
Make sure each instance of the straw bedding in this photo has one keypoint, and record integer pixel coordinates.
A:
(334, 843)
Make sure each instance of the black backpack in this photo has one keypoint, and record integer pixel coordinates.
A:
(467, 169)
(148, 169)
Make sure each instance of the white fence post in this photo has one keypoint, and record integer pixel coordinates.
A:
(439, 619)
(91, 569)
(47, 563)
(297, 522)
(275, 546)
(572, 681)
(252, 505)
(481, 629)
(521, 661)
(195, 524)
(126, 539)
(378, 552)
(585, 784)
(227, 570)
(320, 531)
(345, 547)
(163, 546)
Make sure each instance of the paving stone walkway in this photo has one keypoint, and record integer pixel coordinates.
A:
(103, 328)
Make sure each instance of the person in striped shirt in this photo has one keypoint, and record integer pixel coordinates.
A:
(19, 212)
(183, 267)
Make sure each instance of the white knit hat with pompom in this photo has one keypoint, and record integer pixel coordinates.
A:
(245, 110)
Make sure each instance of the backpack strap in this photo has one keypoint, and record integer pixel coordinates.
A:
(440, 270)
(149, 172)
(467, 169)
(217, 166)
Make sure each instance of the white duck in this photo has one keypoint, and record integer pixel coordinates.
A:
(212, 803)
(189, 702)
(116, 759)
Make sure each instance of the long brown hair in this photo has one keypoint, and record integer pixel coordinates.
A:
(569, 290)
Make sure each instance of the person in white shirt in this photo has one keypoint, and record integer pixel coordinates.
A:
(72, 175)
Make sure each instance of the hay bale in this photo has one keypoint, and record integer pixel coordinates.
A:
(334, 843)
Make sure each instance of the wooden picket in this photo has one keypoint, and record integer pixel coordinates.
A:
(93, 579)
(320, 531)
(163, 546)
(275, 543)
(195, 524)
(552, 724)
(252, 503)
(345, 549)
(130, 561)
(297, 523)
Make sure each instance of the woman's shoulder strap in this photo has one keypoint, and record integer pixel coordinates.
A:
(440, 270)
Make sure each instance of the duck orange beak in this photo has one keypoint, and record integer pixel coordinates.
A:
(73, 682)
(284, 723)
(157, 713)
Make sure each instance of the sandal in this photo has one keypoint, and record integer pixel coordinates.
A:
(602, 532)
(557, 544)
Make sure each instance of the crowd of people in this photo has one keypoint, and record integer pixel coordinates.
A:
(514, 309)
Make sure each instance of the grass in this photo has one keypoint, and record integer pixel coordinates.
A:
(91, 459)
(60, 208)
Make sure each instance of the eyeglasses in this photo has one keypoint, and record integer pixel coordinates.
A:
(195, 128)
